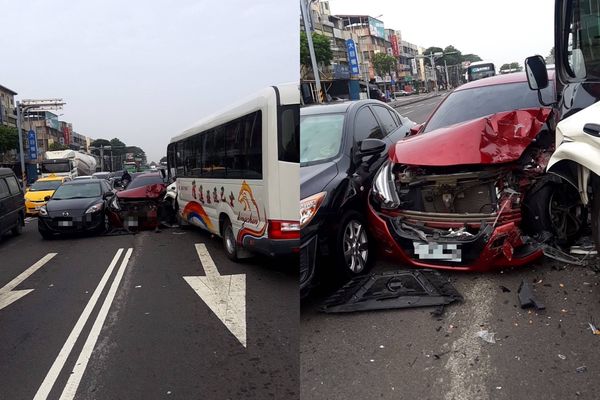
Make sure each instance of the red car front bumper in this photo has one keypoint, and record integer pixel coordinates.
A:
(496, 246)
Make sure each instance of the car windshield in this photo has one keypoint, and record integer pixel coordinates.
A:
(145, 180)
(41, 186)
(78, 191)
(321, 137)
(469, 104)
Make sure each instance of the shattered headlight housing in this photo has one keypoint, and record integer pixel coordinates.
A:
(384, 187)
(43, 211)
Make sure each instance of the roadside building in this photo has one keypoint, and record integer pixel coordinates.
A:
(8, 116)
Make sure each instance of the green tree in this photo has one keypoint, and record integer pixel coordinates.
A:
(9, 138)
(550, 57)
(118, 147)
(452, 59)
(383, 63)
(471, 58)
(516, 66)
(431, 50)
(322, 47)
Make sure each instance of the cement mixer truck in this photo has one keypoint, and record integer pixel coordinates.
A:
(69, 163)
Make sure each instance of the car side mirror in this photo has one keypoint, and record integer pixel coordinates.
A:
(415, 129)
(47, 198)
(537, 74)
(369, 147)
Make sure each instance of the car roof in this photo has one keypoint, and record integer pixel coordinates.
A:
(337, 107)
(6, 171)
(83, 182)
(516, 77)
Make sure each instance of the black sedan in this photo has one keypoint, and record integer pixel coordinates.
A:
(341, 148)
(76, 206)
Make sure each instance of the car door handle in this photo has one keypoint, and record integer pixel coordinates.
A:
(592, 129)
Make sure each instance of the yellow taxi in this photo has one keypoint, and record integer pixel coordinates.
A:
(36, 193)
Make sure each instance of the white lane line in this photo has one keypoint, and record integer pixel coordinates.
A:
(8, 296)
(84, 357)
(59, 362)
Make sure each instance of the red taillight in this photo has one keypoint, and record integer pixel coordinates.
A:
(284, 229)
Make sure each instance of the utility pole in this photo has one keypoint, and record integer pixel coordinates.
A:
(447, 79)
(307, 21)
(30, 105)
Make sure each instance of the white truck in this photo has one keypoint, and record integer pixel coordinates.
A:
(69, 163)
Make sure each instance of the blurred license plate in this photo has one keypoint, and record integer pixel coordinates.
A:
(65, 223)
(131, 221)
(438, 251)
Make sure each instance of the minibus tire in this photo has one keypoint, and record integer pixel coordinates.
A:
(229, 241)
(18, 228)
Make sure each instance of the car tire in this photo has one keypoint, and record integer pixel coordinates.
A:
(18, 228)
(352, 248)
(229, 240)
(551, 209)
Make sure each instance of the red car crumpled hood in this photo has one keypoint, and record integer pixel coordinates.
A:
(497, 138)
(143, 192)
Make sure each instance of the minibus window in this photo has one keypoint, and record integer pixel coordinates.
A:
(288, 137)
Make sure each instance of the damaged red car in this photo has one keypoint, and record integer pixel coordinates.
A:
(139, 205)
(469, 191)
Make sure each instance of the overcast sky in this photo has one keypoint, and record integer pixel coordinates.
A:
(498, 31)
(145, 70)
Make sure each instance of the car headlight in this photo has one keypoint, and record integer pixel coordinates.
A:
(309, 207)
(114, 203)
(384, 188)
(95, 208)
(43, 211)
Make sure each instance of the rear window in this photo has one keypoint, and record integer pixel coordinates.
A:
(466, 105)
(3, 189)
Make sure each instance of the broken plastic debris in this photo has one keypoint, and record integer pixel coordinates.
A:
(559, 255)
(562, 357)
(595, 330)
(138, 286)
(583, 368)
(487, 336)
(527, 298)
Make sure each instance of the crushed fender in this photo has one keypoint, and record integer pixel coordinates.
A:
(391, 290)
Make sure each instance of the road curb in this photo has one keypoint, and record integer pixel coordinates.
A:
(402, 104)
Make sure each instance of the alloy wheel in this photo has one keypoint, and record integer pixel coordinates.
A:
(355, 246)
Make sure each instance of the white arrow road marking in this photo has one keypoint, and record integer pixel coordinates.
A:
(75, 378)
(8, 296)
(225, 295)
(59, 362)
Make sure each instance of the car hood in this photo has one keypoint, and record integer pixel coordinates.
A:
(153, 191)
(71, 205)
(497, 138)
(314, 178)
(38, 195)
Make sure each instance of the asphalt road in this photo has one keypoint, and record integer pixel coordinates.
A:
(411, 354)
(148, 335)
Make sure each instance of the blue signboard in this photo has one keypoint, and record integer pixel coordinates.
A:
(352, 57)
(32, 139)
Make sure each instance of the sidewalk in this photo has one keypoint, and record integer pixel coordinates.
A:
(414, 99)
